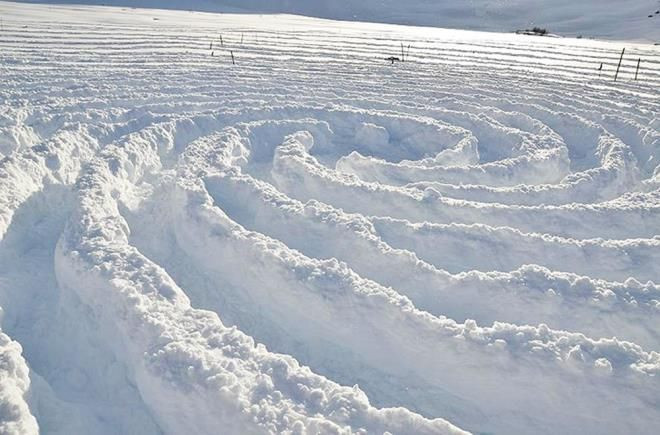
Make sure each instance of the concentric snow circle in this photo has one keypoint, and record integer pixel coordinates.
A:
(315, 240)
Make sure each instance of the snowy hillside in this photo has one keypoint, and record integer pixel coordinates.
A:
(611, 19)
(313, 239)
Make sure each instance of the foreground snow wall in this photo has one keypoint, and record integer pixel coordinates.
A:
(311, 239)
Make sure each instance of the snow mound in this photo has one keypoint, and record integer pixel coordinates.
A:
(260, 225)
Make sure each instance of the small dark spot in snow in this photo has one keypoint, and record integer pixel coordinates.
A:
(114, 166)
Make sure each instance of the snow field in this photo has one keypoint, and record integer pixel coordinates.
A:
(609, 19)
(316, 241)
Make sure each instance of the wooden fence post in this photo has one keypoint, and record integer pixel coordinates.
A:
(618, 67)
(637, 70)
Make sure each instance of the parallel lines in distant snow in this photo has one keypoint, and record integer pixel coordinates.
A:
(310, 47)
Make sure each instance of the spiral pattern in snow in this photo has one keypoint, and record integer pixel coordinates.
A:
(470, 236)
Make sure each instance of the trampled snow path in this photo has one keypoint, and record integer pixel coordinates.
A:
(470, 237)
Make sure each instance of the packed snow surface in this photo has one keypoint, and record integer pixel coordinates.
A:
(313, 239)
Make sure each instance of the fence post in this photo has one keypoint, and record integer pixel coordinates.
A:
(637, 70)
(618, 67)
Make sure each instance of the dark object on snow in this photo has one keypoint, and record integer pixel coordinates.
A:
(619, 67)
(536, 31)
(393, 59)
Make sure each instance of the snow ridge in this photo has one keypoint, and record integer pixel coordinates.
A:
(15, 416)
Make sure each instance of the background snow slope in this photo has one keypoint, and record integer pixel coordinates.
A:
(311, 239)
(615, 19)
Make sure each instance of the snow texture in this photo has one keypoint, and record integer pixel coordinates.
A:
(313, 239)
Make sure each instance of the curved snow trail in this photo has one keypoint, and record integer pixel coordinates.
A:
(314, 240)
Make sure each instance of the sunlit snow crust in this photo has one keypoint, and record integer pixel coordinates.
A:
(314, 240)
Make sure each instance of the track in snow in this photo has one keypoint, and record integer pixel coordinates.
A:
(462, 235)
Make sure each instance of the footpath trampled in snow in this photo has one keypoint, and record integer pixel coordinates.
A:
(258, 224)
